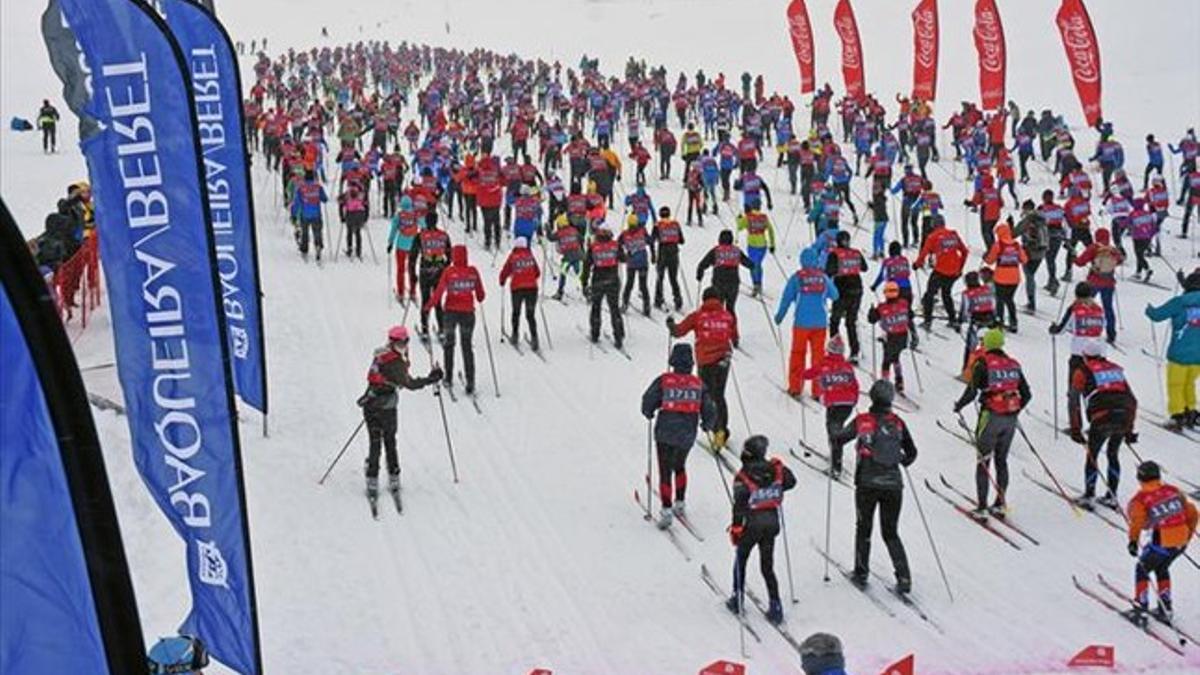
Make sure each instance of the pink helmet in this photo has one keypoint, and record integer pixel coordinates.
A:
(398, 334)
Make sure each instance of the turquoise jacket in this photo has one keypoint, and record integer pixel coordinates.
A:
(1184, 313)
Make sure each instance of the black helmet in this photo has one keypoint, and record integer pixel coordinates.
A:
(755, 446)
(1148, 471)
(1084, 290)
(681, 357)
(664, 212)
(843, 238)
(725, 238)
(882, 393)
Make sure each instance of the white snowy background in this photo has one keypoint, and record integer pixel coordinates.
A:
(539, 556)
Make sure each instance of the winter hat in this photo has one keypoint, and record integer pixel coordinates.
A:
(520, 242)
(882, 394)
(993, 339)
(894, 249)
(835, 346)
(711, 293)
(681, 357)
(1192, 281)
(1102, 236)
(1148, 471)
(398, 334)
(821, 652)
(725, 238)
(1084, 290)
(179, 654)
(755, 447)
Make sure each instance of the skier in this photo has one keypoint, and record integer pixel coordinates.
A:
(461, 287)
(1003, 392)
(757, 497)
(682, 401)
(638, 250)
(724, 259)
(431, 252)
(895, 319)
(1103, 258)
(601, 268)
(353, 207)
(1183, 352)
(569, 244)
(809, 289)
(1171, 518)
(47, 121)
(1008, 256)
(845, 265)
(760, 239)
(1034, 235)
(978, 309)
(523, 269)
(1111, 410)
(753, 188)
(665, 239)
(949, 255)
(839, 394)
(821, 654)
(884, 445)
(910, 185)
(389, 372)
(306, 209)
(1054, 216)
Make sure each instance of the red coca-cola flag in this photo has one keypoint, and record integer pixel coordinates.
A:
(1083, 55)
(724, 668)
(802, 44)
(925, 50)
(1094, 656)
(852, 62)
(902, 667)
(989, 43)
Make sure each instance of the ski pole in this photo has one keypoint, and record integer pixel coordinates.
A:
(1054, 379)
(370, 242)
(487, 340)
(649, 443)
(740, 592)
(437, 391)
(390, 289)
(545, 323)
(916, 370)
(928, 532)
(828, 513)
(1053, 478)
(787, 555)
(1158, 367)
(343, 450)
(720, 471)
(737, 388)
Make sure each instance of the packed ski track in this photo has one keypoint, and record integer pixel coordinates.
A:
(538, 556)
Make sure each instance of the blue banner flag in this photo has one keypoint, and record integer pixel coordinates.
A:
(216, 88)
(172, 348)
(66, 600)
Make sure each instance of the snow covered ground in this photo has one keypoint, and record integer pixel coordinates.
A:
(538, 557)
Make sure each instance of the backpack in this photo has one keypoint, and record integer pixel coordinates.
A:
(1105, 261)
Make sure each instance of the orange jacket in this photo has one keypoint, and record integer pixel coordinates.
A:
(1174, 530)
(1008, 256)
(948, 251)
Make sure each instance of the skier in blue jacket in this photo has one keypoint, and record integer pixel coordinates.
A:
(809, 289)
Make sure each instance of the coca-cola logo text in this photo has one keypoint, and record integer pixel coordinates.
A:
(990, 40)
(802, 38)
(925, 30)
(1081, 50)
(849, 34)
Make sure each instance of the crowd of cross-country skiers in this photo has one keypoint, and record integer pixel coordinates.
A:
(415, 134)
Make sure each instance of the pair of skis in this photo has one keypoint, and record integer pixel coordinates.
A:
(373, 502)
(1114, 600)
(962, 503)
(670, 532)
(905, 599)
(805, 459)
(755, 600)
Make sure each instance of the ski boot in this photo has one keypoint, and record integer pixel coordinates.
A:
(980, 514)
(998, 510)
(756, 291)
(859, 578)
(1163, 612)
(470, 389)
(1110, 500)
(665, 519)
(679, 508)
(903, 584)
(1084, 501)
(719, 439)
(775, 612)
(732, 604)
(394, 483)
(1137, 615)
(372, 487)
(835, 471)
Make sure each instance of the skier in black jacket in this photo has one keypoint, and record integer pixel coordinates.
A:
(725, 259)
(757, 497)
(884, 445)
(682, 402)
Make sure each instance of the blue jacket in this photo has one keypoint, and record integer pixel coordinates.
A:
(810, 307)
(1184, 313)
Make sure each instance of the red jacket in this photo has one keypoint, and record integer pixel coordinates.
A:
(490, 183)
(523, 268)
(459, 283)
(948, 251)
(716, 331)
